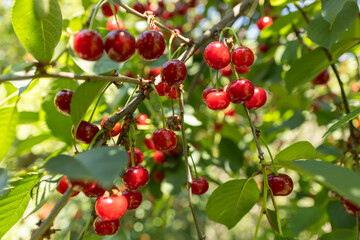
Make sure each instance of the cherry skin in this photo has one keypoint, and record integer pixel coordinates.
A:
(322, 78)
(134, 198)
(226, 71)
(173, 73)
(151, 45)
(138, 157)
(97, 191)
(116, 129)
(112, 25)
(174, 152)
(350, 207)
(149, 144)
(107, 10)
(172, 94)
(217, 55)
(209, 90)
(86, 132)
(229, 112)
(281, 185)
(119, 45)
(106, 227)
(159, 176)
(240, 90)
(241, 70)
(154, 72)
(162, 89)
(218, 100)
(111, 207)
(139, 7)
(136, 177)
(263, 47)
(81, 185)
(142, 119)
(63, 186)
(62, 101)
(88, 45)
(242, 57)
(164, 139)
(264, 22)
(199, 185)
(159, 157)
(257, 100)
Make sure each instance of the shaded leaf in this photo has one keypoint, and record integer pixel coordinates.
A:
(353, 114)
(336, 234)
(3, 178)
(329, 8)
(303, 218)
(338, 217)
(26, 145)
(296, 151)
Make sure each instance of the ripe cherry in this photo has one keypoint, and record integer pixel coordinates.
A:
(263, 47)
(240, 90)
(174, 152)
(229, 111)
(151, 45)
(209, 90)
(173, 73)
(112, 24)
(81, 185)
(154, 72)
(217, 55)
(88, 45)
(97, 191)
(107, 10)
(350, 207)
(106, 227)
(136, 177)
(264, 22)
(226, 71)
(134, 198)
(149, 144)
(241, 70)
(119, 45)
(199, 185)
(142, 119)
(281, 185)
(162, 89)
(257, 100)
(116, 129)
(164, 139)
(63, 186)
(86, 132)
(62, 101)
(217, 100)
(242, 57)
(322, 78)
(159, 157)
(139, 7)
(172, 94)
(159, 176)
(138, 157)
(111, 207)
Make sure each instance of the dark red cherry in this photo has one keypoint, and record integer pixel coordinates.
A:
(136, 177)
(112, 25)
(154, 72)
(322, 78)
(106, 227)
(164, 139)
(129, 74)
(263, 47)
(86, 132)
(139, 7)
(240, 90)
(62, 101)
(159, 176)
(111, 207)
(151, 45)
(264, 22)
(119, 45)
(149, 144)
(257, 100)
(107, 10)
(174, 152)
(138, 157)
(134, 198)
(242, 57)
(217, 55)
(350, 207)
(209, 90)
(142, 119)
(217, 100)
(241, 70)
(226, 71)
(281, 185)
(172, 94)
(173, 73)
(199, 185)
(116, 129)
(97, 191)
(81, 185)
(88, 45)
(159, 157)
(162, 89)
(63, 186)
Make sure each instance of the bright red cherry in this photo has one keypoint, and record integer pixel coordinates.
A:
(106, 227)
(139, 7)
(241, 70)
(149, 144)
(138, 157)
(209, 90)
(81, 185)
(111, 207)
(264, 22)
(162, 89)
(257, 100)
(119, 45)
(62, 101)
(151, 45)
(97, 191)
(159, 157)
(136, 177)
(217, 55)
(240, 90)
(86, 132)
(134, 198)
(350, 207)
(172, 94)
(242, 57)
(322, 78)
(217, 100)
(116, 129)
(142, 119)
(281, 185)
(164, 139)
(229, 112)
(63, 186)
(226, 71)
(88, 45)
(107, 10)
(199, 185)
(112, 25)
(173, 73)
(159, 176)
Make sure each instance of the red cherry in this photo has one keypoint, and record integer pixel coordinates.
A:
(107, 10)
(111, 25)
(217, 55)
(81, 185)
(181, 8)
(241, 70)
(218, 127)
(62, 101)
(322, 78)
(281, 185)
(172, 94)
(350, 207)
(138, 157)
(139, 7)
(264, 22)
(104, 227)
(97, 191)
(63, 186)
(119, 45)
(217, 100)
(116, 129)
(164, 139)
(159, 157)
(86, 132)
(174, 152)
(209, 90)
(111, 207)
(167, 15)
(88, 45)
(242, 57)
(148, 144)
(162, 89)
(154, 72)
(257, 100)
(136, 177)
(129, 74)
(263, 47)
(240, 90)
(226, 71)
(134, 198)
(142, 119)
(229, 112)
(173, 73)
(199, 185)
(159, 176)
(151, 45)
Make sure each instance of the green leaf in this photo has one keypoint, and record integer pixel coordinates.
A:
(340, 179)
(231, 201)
(3, 178)
(338, 217)
(42, 8)
(296, 151)
(353, 114)
(280, 2)
(15, 201)
(230, 151)
(28, 117)
(336, 234)
(330, 8)
(37, 31)
(26, 145)
(102, 164)
(8, 121)
(304, 217)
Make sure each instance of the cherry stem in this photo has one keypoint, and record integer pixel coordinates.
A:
(132, 94)
(271, 157)
(211, 78)
(176, 53)
(94, 139)
(170, 44)
(161, 106)
(98, 101)
(131, 134)
(114, 12)
(192, 160)
(88, 224)
(233, 33)
(96, 9)
(217, 80)
(258, 223)
(234, 70)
